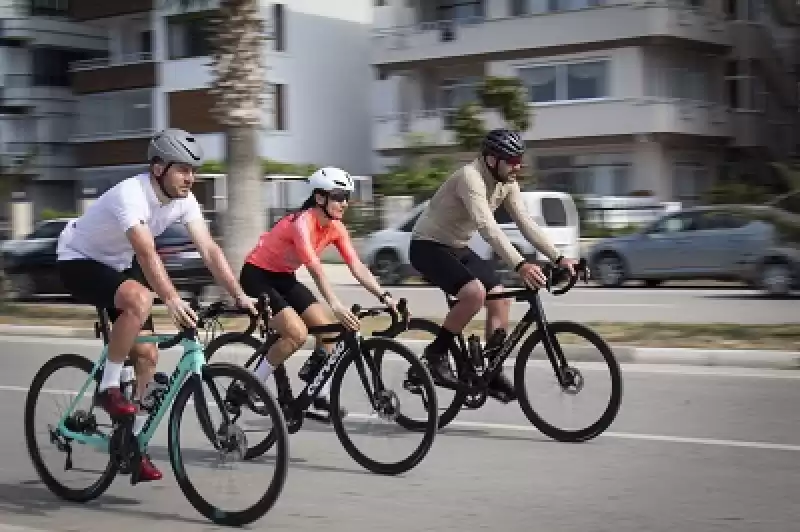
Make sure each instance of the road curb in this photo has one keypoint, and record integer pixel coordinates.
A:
(746, 358)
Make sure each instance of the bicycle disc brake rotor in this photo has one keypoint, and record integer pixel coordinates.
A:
(233, 443)
(573, 381)
(387, 405)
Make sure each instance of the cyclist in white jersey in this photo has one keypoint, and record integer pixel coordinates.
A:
(96, 262)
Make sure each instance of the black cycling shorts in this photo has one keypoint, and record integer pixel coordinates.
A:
(93, 283)
(283, 289)
(451, 268)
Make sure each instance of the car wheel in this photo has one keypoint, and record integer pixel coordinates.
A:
(387, 268)
(776, 278)
(610, 270)
(21, 286)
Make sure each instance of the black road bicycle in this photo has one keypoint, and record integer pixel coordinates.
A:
(476, 367)
(350, 349)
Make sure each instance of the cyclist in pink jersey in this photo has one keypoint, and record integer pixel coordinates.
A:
(297, 240)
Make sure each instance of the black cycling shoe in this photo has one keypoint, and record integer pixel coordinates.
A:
(502, 389)
(238, 396)
(322, 403)
(439, 366)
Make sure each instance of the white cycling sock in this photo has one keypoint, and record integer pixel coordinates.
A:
(325, 391)
(138, 423)
(264, 370)
(111, 374)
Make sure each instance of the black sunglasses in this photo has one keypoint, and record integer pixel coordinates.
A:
(339, 195)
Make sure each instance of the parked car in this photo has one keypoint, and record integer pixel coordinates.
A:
(386, 251)
(30, 262)
(758, 245)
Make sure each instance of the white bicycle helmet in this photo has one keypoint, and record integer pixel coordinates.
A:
(330, 178)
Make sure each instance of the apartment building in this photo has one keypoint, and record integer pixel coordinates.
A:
(625, 95)
(157, 74)
(37, 107)
(114, 72)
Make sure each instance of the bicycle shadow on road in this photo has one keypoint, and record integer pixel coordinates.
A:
(32, 498)
(208, 459)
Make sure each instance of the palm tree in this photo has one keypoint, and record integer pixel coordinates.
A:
(238, 85)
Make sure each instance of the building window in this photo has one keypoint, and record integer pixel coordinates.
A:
(115, 114)
(600, 174)
(691, 182)
(584, 80)
(279, 27)
(518, 8)
(188, 35)
(453, 93)
(276, 108)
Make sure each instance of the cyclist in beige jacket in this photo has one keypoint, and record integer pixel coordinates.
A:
(439, 249)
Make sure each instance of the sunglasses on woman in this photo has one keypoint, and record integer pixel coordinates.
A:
(339, 195)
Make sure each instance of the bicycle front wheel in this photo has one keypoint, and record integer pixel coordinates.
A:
(230, 445)
(370, 382)
(589, 360)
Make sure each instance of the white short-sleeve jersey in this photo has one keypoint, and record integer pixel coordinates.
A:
(100, 233)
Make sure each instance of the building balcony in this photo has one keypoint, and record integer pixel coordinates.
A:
(623, 24)
(114, 115)
(55, 33)
(92, 9)
(130, 71)
(28, 90)
(591, 118)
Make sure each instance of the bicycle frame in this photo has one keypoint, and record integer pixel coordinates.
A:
(348, 343)
(190, 365)
(534, 315)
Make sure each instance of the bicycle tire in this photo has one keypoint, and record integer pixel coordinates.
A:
(254, 343)
(430, 427)
(429, 326)
(265, 503)
(106, 478)
(609, 414)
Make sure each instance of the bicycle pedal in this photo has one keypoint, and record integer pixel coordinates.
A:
(322, 418)
(412, 388)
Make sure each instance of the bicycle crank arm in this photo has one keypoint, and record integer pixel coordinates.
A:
(322, 418)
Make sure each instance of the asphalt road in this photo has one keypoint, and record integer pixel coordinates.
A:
(693, 449)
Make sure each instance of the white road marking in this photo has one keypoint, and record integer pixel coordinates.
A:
(528, 428)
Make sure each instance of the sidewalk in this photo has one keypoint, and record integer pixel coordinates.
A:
(741, 358)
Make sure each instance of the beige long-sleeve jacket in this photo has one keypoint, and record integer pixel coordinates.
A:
(466, 202)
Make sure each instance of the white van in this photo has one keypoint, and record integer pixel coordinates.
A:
(386, 251)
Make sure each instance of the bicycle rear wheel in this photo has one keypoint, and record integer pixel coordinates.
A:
(81, 420)
(597, 356)
(230, 445)
(451, 400)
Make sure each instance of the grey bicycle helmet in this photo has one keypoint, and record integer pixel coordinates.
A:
(175, 146)
(503, 143)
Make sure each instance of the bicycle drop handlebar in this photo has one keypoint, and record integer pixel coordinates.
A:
(214, 310)
(555, 275)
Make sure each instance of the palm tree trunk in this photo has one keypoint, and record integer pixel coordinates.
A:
(244, 219)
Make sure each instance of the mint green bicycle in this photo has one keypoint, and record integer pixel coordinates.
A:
(80, 427)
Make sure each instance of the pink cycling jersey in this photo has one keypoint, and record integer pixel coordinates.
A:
(297, 240)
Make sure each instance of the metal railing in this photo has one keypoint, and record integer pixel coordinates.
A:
(112, 61)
